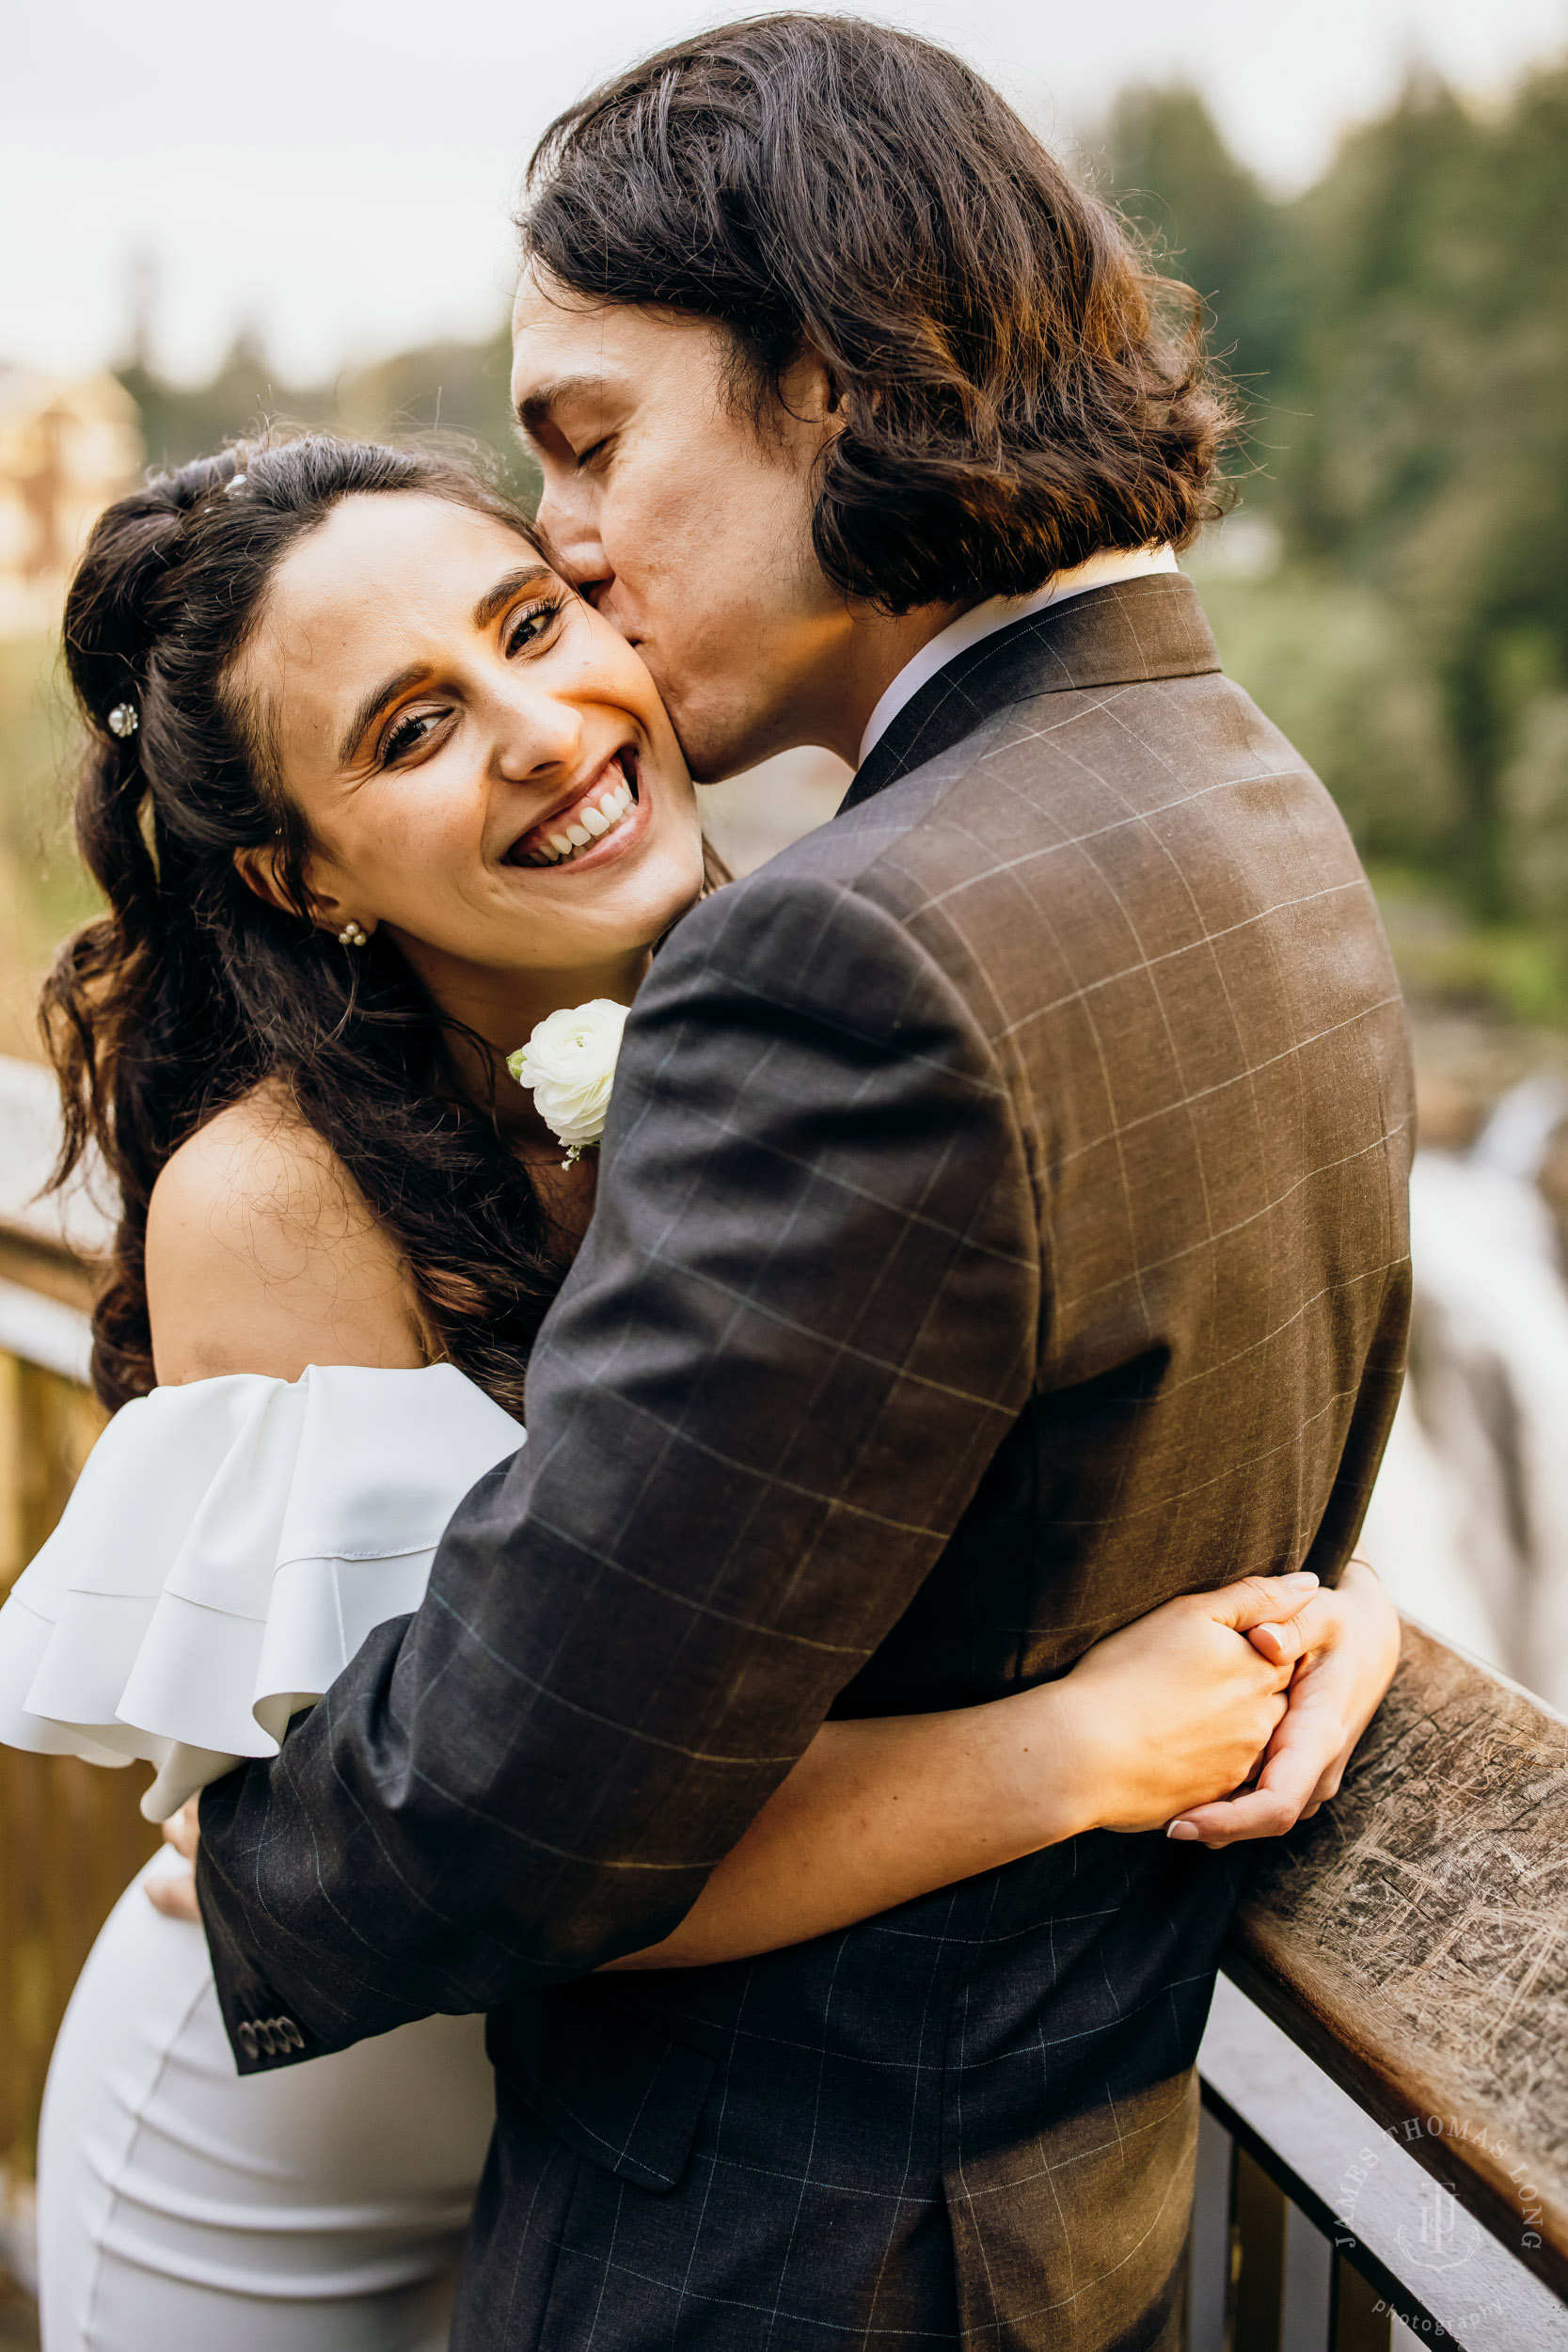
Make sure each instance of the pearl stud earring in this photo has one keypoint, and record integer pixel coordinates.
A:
(353, 935)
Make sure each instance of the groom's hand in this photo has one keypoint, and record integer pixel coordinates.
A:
(173, 1892)
(1348, 1644)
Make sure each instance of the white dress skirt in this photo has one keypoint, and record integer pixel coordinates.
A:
(227, 1548)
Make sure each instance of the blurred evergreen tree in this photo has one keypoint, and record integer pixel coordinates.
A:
(1400, 333)
(462, 389)
(452, 388)
(182, 421)
(1205, 219)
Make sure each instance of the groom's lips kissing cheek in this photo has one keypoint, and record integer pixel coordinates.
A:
(591, 822)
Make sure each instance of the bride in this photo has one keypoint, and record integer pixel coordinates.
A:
(371, 793)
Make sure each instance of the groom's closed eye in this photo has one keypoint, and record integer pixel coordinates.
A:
(569, 420)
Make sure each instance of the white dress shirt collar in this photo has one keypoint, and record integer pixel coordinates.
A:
(984, 620)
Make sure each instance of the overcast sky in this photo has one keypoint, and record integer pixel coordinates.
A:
(339, 172)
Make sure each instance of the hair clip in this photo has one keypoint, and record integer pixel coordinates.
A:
(238, 483)
(123, 720)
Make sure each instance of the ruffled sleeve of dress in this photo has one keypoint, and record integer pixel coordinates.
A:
(226, 1549)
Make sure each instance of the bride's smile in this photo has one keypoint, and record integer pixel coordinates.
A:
(578, 831)
(484, 770)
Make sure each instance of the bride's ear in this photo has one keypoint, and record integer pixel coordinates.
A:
(262, 870)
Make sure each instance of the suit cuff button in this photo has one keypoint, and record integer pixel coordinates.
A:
(268, 2036)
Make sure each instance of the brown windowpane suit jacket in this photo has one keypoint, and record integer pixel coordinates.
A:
(1000, 1230)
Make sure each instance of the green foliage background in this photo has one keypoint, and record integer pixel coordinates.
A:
(1400, 336)
(1393, 586)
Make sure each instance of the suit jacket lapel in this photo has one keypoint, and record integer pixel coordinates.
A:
(1137, 629)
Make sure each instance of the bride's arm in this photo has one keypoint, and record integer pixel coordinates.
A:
(1171, 1714)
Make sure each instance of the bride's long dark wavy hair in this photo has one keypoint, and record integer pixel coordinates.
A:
(189, 991)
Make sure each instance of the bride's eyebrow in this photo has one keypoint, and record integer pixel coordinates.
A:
(372, 706)
(495, 600)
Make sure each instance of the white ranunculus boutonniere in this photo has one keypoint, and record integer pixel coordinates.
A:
(569, 1066)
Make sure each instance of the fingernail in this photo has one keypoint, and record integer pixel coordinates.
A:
(1300, 1576)
(1183, 1829)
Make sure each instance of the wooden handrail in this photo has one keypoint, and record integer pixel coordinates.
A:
(1413, 1939)
(71, 1834)
(50, 1242)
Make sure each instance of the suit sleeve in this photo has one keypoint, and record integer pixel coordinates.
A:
(805, 1317)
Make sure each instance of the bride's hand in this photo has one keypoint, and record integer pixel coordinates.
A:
(1348, 1643)
(173, 1892)
(1177, 1709)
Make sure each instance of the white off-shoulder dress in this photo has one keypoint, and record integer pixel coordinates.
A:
(228, 1546)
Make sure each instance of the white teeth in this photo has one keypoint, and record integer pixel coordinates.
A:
(593, 820)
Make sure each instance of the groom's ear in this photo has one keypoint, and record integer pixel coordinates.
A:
(811, 391)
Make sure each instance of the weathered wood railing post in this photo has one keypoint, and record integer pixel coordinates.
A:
(1411, 1942)
(70, 1834)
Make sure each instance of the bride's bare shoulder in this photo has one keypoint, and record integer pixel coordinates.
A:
(262, 1254)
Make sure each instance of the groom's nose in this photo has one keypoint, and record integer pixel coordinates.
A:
(567, 523)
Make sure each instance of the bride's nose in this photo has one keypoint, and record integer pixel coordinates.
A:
(536, 736)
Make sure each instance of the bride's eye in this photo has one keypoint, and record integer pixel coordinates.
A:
(530, 626)
(406, 735)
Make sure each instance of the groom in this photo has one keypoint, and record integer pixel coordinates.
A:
(1000, 1230)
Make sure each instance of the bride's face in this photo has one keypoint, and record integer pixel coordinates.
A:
(482, 762)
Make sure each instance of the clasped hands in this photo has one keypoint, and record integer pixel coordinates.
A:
(1182, 1726)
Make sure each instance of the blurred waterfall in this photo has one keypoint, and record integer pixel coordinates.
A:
(1469, 1524)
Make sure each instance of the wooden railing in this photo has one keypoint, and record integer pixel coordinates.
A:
(70, 1836)
(1393, 2089)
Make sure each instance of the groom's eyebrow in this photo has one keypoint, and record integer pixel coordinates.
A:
(536, 408)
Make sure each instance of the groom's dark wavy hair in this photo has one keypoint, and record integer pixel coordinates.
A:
(1021, 389)
(189, 991)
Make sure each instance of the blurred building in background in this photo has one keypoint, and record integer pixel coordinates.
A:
(67, 448)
